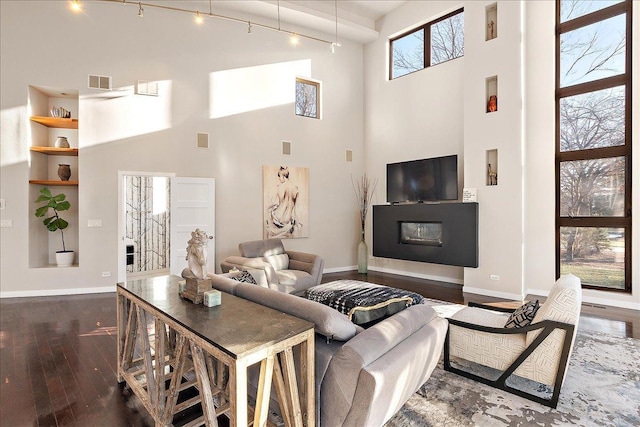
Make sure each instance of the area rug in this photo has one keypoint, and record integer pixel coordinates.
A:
(602, 388)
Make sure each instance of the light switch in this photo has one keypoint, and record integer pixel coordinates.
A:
(6, 223)
(2, 204)
(94, 223)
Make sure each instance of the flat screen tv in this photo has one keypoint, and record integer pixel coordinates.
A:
(423, 180)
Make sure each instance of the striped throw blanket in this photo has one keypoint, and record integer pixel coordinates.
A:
(363, 302)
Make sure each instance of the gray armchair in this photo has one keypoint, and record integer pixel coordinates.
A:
(274, 267)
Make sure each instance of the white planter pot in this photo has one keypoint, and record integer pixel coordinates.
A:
(64, 258)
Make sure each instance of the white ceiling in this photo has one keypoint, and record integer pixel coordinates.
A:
(356, 18)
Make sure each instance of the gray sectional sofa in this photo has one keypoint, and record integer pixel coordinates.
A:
(363, 377)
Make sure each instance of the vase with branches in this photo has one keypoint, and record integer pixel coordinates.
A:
(363, 187)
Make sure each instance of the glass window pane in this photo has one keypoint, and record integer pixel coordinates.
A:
(595, 255)
(408, 54)
(306, 99)
(447, 39)
(593, 52)
(571, 9)
(592, 187)
(593, 120)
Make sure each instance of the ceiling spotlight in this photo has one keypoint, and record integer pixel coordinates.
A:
(333, 48)
(198, 18)
(249, 28)
(75, 5)
(294, 39)
(140, 10)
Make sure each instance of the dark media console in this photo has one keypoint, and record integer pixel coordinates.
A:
(445, 233)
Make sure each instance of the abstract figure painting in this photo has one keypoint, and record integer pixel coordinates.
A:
(285, 202)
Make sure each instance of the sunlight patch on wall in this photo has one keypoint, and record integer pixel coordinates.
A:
(13, 149)
(253, 88)
(120, 114)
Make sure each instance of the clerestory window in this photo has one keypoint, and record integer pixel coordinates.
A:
(430, 44)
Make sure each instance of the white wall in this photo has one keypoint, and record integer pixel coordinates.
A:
(416, 116)
(45, 44)
(441, 110)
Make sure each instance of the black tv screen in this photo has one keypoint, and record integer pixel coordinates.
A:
(432, 179)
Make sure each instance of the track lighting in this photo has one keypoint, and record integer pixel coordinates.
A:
(198, 18)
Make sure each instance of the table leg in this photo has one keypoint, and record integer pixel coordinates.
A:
(263, 392)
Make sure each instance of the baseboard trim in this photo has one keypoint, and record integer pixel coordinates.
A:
(495, 294)
(398, 272)
(588, 299)
(56, 292)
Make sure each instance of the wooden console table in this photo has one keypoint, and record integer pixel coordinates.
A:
(167, 345)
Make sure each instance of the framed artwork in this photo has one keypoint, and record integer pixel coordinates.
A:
(285, 195)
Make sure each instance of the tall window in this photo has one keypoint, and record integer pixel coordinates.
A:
(593, 142)
(435, 42)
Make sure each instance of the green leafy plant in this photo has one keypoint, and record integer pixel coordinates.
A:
(56, 203)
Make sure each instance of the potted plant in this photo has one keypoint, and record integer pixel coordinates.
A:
(364, 188)
(57, 203)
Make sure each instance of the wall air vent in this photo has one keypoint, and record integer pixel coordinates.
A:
(146, 88)
(99, 82)
(202, 140)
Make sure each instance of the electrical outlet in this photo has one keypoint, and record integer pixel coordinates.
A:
(94, 223)
(106, 274)
(2, 204)
(494, 277)
(6, 223)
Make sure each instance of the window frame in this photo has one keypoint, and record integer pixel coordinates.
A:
(427, 43)
(318, 87)
(625, 79)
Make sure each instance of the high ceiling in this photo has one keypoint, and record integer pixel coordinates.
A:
(356, 18)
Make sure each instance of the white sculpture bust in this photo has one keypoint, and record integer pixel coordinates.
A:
(197, 255)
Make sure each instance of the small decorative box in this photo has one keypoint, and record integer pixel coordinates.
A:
(182, 286)
(212, 298)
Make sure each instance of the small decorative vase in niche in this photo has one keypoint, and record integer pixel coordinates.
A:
(64, 172)
(363, 256)
(61, 142)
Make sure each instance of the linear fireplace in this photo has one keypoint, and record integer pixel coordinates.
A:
(421, 233)
(445, 233)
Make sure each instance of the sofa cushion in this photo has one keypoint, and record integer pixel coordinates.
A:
(328, 322)
(261, 248)
(364, 303)
(278, 262)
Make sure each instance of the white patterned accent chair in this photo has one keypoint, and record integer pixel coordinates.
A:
(539, 351)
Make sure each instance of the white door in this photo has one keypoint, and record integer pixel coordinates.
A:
(192, 206)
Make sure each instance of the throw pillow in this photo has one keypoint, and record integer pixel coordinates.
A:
(523, 315)
(245, 277)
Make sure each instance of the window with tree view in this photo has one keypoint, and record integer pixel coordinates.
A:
(307, 98)
(593, 145)
(435, 42)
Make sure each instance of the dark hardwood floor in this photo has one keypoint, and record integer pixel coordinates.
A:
(58, 354)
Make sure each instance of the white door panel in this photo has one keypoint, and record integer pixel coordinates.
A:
(192, 206)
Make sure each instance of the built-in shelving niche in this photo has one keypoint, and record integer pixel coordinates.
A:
(492, 94)
(491, 21)
(492, 167)
(44, 159)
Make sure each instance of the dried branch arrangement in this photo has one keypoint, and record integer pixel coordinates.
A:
(364, 187)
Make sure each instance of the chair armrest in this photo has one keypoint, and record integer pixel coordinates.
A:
(311, 263)
(545, 325)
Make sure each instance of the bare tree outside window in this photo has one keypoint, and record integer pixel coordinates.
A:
(593, 150)
(444, 41)
(307, 98)
(447, 39)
